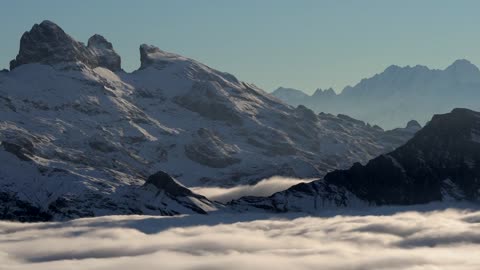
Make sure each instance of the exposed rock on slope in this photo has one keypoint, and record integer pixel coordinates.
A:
(167, 186)
(441, 162)
(103, 51)
(33, 190)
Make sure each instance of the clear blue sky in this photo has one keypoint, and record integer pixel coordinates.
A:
(298, 43)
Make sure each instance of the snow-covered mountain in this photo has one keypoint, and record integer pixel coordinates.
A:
(440, 163)
(80, 136)
(398, 94)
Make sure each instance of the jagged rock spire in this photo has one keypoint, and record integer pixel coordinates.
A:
(103, 50)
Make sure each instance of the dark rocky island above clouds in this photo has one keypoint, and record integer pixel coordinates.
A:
(440, 163)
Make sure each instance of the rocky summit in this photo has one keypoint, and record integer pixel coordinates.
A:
(47, 43)
(104, 52)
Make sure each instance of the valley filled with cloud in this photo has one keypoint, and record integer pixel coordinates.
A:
(264, 188)
(426, 237)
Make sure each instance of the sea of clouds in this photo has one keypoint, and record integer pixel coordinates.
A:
(264, 188)
(386, 238)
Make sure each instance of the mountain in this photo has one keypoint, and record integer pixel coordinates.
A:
(290, 94)
(399, 94)
(80, 136)
(441, 162)
(47, 43)
(43, 193)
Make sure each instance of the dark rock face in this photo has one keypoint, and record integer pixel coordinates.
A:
(22, 152)
(12, 208)
(167, 185)
(145, 51)
(47, 43)
(441, 162)
(103, 50)
(305, 113)
(396, 136)
(153, 56)
(442, 158)
(164, 182)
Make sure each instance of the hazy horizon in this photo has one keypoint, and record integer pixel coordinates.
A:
(271, 44)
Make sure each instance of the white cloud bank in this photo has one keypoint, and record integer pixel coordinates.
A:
(263, 188)
(444, 239)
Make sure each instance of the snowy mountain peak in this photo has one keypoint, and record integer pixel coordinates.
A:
(103, 50)
(153, 56)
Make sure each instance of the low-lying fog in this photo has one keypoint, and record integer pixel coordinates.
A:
(422, 237)
(264, 188)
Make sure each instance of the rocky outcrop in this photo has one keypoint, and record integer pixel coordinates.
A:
(209, 149)
(168, 189)
(153, 56)
(104, 52)
(164, 182)
(47, 43)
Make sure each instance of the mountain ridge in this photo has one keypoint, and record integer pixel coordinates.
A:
(82, 139)
(440, 163)
(399, 94)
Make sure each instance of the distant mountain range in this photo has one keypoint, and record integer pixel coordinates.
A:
(399, 94)
(81, 137)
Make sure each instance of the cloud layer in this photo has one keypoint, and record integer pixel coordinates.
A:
(263, 188)
(443, 239)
